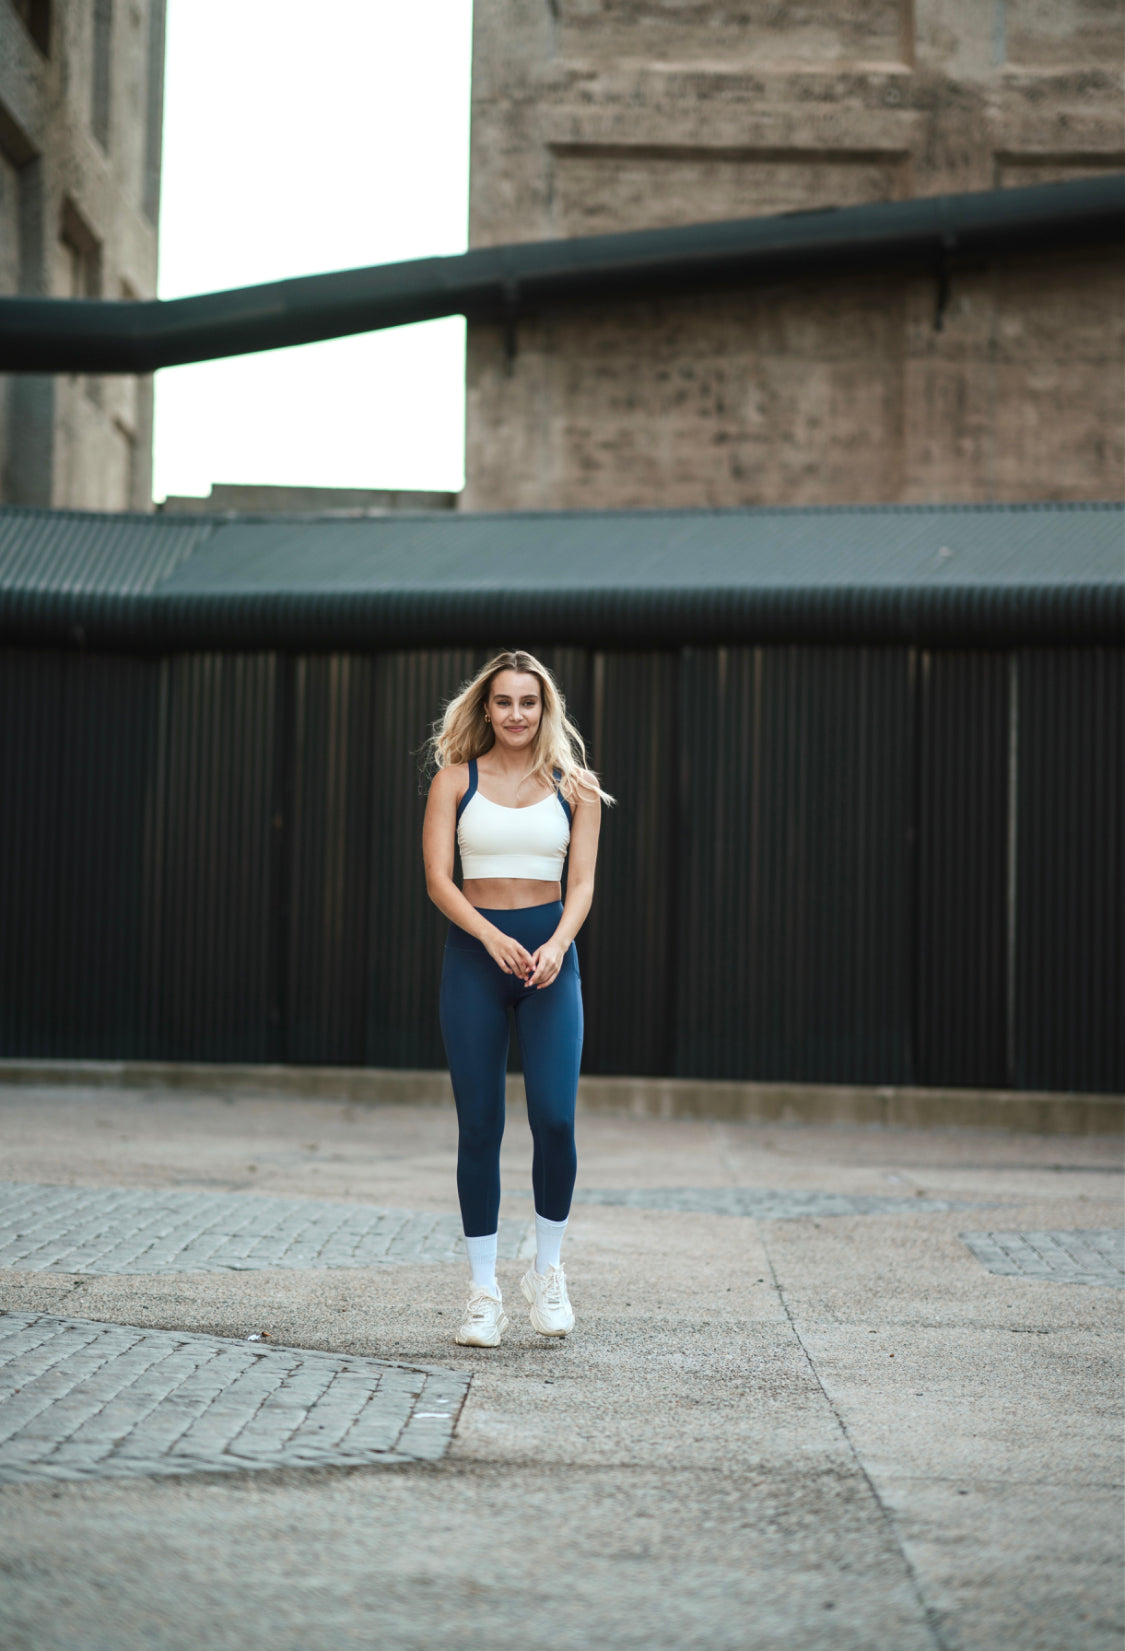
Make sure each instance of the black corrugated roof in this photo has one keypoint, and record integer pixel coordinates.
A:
(875, 573)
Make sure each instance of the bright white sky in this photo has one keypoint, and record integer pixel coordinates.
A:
(299, 140)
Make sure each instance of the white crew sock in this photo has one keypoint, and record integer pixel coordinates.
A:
(482, 1260)
(548, 1243)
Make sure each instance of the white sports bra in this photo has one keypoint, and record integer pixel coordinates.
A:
(498, 841)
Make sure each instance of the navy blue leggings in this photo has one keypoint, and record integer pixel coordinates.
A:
(475, 996)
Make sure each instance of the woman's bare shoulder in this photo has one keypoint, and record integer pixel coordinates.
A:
(584, 789)
(450, 781)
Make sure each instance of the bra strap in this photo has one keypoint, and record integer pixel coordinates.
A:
(470, 788)
(557, 772)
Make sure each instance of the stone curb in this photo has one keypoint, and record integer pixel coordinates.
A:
(1030, 1111)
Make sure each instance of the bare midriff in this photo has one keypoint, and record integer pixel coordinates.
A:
(509, 893)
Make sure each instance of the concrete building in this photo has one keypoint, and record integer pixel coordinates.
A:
(81, 105)
(266, 500)
(593, 116)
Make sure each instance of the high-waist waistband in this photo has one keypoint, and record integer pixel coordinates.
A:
(530, 925)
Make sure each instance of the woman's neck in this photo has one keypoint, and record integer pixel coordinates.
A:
(512, 765)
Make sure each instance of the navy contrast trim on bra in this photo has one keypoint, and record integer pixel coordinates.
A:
(467, 798)
(472, 786)
(557, 773)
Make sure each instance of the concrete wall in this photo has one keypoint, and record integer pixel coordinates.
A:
(598, 115)
(81, 102)
(320, 501)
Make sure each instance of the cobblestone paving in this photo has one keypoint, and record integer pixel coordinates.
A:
(134, 1230)
(764, 1203)
(83, 1400)
(1090, 1255)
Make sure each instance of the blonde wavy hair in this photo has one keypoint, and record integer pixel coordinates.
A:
(464, 732)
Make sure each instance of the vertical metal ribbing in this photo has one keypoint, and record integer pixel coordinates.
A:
(214, 927)
(754, 887)
(687, 825)
(1070, 1032)
(1011, 925)
(75, 742)
(962, 815)
(279, 960)
(153, 976)
(918, 677)
(627, 949)
(670, 754)
(795, 937)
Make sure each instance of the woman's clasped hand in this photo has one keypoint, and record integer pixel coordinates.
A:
(538, 968)
(508, 953)
(546, 961)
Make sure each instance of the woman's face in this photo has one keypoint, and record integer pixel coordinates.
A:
(515, 706)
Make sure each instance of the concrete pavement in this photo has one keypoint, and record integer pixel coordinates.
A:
(824, 1422)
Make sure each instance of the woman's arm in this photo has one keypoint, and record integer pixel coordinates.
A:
(585, 826)
(439, 834)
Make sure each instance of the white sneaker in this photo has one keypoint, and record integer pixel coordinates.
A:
(551, 1312)
(485, 1320)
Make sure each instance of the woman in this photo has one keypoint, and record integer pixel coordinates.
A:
(512, 790)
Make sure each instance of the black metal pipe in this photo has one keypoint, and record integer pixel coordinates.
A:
(51, 335)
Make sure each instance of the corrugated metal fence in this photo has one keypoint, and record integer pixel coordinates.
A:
(828, 863)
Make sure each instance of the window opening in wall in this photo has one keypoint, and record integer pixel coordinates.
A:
(36, 15)
(21, 249)
(80, 274)
(103, 58)
(83, 255)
